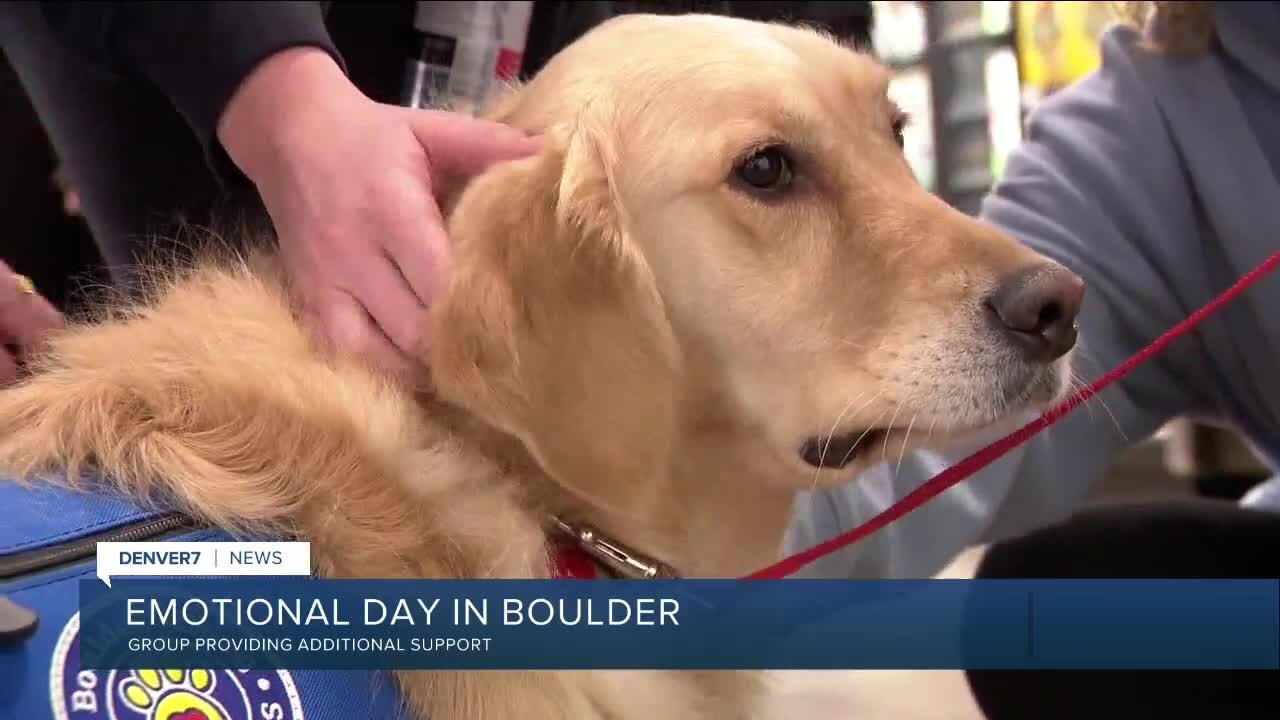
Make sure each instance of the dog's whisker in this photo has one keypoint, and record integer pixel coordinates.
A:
(1075, 383)
(822, 457)
(885, 450)
(1078, 383)
(855, 444)
(847, 343)
(860, 346)
(902, 453)
(817, 471)
(1083, 356)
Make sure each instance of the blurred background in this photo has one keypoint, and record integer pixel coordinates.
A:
(967, 72)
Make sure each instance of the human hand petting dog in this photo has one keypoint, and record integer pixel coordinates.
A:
(348, 183)
(26, 319)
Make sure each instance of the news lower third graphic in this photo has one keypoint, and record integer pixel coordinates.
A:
(184, 605)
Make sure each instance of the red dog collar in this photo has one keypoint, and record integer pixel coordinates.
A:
(572, 563)
(582, 551)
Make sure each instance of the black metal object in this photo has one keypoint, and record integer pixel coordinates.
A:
(956, 59)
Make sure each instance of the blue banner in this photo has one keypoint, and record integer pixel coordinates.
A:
(303, 623)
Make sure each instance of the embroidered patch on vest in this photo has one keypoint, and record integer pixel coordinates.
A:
(161, 694)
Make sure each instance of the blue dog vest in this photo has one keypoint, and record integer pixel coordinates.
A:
(47, 544)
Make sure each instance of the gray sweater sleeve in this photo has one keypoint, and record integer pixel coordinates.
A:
(1096, 185)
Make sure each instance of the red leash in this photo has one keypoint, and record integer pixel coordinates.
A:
(997, 449)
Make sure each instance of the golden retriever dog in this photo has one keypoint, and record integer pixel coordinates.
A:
(718, 285)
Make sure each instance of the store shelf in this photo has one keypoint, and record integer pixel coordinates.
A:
(965, 113)
(904, 63)
(966, 39)
(957, 65)
(972, 180)
(1002, 40)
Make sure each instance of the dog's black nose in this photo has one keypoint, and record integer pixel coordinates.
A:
(1036, 309)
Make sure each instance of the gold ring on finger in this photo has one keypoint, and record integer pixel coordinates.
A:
(24, 284)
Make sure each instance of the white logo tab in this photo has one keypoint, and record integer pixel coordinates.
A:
(187, 559)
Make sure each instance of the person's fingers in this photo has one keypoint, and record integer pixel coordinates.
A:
(420, 251)
(385, 294)
(349, 329)
(456, 145)
(44, 321)
(8, 367)
(462, 145)
(26, 317)
(71, 202)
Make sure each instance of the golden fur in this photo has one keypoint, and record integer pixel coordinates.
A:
(626, 338)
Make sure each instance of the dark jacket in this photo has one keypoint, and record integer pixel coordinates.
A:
(130, 93)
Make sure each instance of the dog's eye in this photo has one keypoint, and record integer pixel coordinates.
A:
(900, 122)
(767, 169)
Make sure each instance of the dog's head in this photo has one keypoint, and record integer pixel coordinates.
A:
(722, 236)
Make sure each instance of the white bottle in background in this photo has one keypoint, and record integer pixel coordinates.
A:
(467, 51)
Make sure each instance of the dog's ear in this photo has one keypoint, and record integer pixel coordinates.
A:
(552, 327)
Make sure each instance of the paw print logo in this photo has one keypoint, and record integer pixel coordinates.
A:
(172, 695)
(201, 694)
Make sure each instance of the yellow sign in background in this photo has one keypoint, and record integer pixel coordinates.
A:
(1058, 41)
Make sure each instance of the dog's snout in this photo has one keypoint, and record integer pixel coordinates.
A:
(1036, 310)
